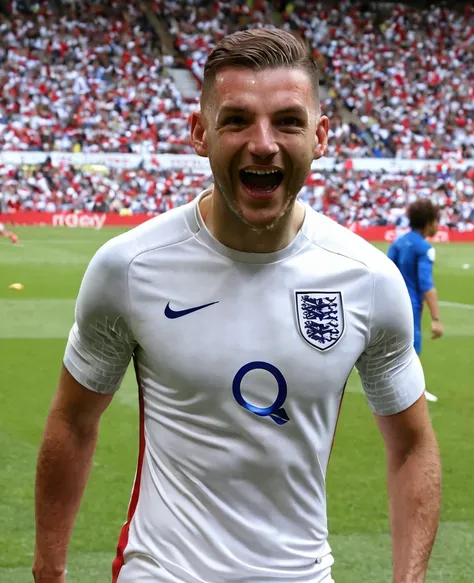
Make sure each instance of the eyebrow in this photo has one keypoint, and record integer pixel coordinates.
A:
(226, 109)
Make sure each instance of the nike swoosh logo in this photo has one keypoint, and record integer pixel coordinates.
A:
(173, 314)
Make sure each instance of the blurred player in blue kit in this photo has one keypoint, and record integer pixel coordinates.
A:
(414, 257)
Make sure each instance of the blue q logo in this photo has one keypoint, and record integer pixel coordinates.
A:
(275, 410)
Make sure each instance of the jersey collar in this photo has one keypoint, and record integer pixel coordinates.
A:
(201, 232)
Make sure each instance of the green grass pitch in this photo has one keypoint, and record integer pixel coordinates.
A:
(34, 324)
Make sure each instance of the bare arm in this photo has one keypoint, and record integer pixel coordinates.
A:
(414, 488)
(431, 299)
(430, 295)
(64, 462)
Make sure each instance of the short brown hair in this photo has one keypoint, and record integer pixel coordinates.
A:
(421, 213)
(260, 48)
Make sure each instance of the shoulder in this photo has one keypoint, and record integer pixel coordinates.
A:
(384, 286)
(425, 249)
(430, 252)
(397, 243)
(337, 239)
(162, 231)
(405, 240)
(105, 287)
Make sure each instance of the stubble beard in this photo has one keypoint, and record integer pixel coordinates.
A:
(230, 202)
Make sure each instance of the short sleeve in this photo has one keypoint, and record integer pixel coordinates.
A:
(101, 343)
(425, 269)
(389, 368)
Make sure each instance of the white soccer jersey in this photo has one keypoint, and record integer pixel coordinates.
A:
(242, 360)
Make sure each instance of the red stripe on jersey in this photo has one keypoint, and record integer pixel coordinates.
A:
(123, 539)
(337, 419)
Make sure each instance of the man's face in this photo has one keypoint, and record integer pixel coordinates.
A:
(433, 228)
(261, 130)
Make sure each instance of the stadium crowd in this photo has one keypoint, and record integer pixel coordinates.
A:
(92, 78)
(348, 196)
(407, 74)
(89, 79)
(196, 27)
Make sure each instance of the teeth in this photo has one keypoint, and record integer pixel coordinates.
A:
(272, 171)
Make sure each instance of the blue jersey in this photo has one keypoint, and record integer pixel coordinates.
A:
(414, 257)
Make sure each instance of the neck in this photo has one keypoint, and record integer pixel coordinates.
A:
(232, 232)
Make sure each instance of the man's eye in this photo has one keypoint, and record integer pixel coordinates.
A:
(290, 121)
(234, 120)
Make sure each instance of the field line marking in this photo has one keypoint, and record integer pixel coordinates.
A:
(456, 305)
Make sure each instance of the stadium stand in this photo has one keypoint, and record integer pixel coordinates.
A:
(196, 26)
(408, 72)
(89, 77)
(86, 80)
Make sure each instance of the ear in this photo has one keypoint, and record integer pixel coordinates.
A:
(321, 137)
(198, 134)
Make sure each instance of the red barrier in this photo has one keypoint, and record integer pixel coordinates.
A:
(99, 220)
(73, 220)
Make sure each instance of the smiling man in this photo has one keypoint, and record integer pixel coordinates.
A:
(245, 312)
(261, 128)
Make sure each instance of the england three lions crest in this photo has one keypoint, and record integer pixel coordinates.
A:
(320, 318)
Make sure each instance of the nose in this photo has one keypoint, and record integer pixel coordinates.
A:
(262, 140)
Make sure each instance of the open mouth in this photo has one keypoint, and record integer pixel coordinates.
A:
(262, 182)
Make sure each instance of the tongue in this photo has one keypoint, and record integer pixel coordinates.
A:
(261, 182)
